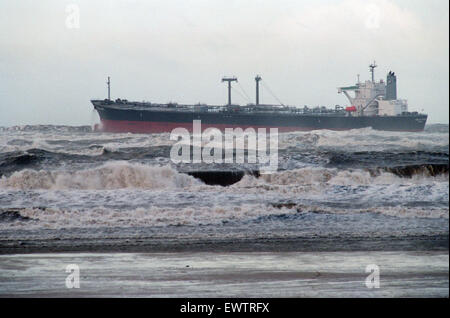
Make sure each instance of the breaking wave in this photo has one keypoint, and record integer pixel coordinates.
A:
(333, 176)
(111, 175)
(152, 216)
(365, 139)
(55, 218)
(122, 174)
(427, 170)
(100, 186)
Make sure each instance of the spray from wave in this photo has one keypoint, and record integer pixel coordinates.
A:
(333, 176)
(111, 175)
(122, 174)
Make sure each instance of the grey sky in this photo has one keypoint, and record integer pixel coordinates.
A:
(178, 51)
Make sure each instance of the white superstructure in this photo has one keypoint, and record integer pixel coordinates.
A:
(373, 98)
(392, 107)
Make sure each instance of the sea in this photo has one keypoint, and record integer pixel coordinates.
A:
(342, 206)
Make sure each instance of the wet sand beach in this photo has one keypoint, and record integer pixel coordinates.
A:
(212, 274)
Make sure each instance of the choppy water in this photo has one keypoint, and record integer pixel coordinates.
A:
(337, 198)
(365, 182)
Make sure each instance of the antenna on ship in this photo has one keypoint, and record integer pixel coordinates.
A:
(372, 70)
(229, 80)
(109, 88)
(257, 79)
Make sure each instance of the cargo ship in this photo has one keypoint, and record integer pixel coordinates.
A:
(372, 104)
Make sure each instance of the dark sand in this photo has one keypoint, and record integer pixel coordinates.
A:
(274, 244)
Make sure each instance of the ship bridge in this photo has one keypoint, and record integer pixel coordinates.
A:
(371, 98)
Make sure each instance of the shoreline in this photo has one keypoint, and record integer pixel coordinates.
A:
(162, 245)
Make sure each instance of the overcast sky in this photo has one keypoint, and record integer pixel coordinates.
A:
(52, 64)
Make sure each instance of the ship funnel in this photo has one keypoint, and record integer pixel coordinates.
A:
(391, 86)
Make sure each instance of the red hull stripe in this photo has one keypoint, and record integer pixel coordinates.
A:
(159, 127)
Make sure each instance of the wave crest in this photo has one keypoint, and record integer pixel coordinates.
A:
(112, 175)
(334, 176)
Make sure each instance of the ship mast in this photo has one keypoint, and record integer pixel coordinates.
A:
(229, 80)
(109, 88)
(257, 79)
(372, 70)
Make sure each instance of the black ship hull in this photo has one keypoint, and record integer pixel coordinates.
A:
(124, 119)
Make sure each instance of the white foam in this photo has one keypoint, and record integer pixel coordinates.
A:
(315, 175)
(54, 218)
(397, 211)
(77, 142)
(365, 139)
(111, 175)
(351, 186)
(152, 216)
(312, 175)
